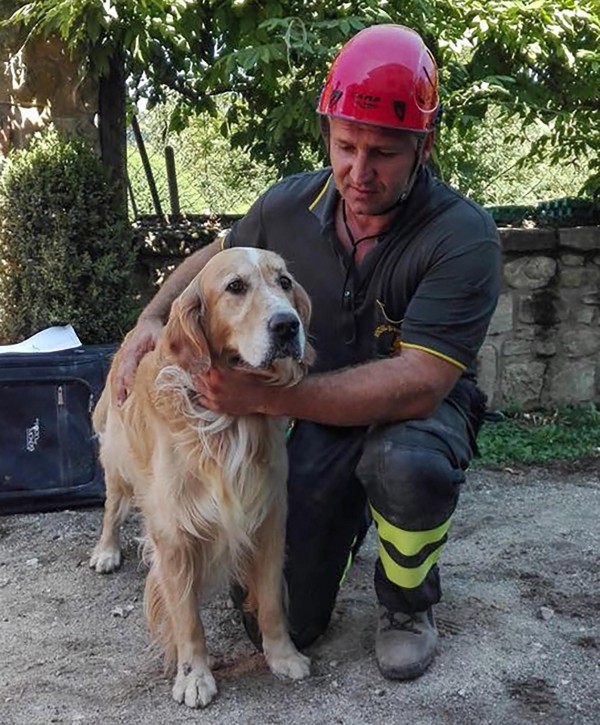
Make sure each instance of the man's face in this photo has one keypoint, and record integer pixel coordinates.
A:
(371, 165)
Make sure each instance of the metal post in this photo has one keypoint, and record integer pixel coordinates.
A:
(147, 168)
(172, 180)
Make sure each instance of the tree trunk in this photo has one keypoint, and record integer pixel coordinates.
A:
(112, 126)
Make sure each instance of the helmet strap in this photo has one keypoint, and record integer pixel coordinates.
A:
(412, 178)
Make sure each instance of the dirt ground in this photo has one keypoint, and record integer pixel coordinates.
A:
(519, 624)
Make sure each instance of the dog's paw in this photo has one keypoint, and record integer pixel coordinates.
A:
(195, 687)
(106, 560)
(292, 665)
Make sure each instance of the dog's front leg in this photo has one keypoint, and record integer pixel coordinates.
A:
(281, 654)
(194, 683)
(106, 556)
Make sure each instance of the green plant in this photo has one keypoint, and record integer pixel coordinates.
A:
(538, 62)
(66, 251)
(568, 433)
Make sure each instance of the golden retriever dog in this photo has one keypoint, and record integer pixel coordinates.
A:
(211, 488)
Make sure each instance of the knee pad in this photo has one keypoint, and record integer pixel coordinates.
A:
(416, 488)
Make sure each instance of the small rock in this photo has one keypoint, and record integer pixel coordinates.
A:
(546, 613)
(122, 611)
(333, 663)
(32, 562)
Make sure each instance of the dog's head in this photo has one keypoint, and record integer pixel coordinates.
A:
(244, 309)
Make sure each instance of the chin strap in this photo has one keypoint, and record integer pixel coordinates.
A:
(411, 179)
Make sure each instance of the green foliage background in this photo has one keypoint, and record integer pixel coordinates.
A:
(66, 252)
(536, 64)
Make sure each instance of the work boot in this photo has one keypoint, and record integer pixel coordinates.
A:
(405, 643)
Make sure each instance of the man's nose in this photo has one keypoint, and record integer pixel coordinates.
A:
(362, 170)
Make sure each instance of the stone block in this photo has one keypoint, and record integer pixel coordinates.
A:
(530, 272)
(528, 240)
(542, 307)
(522, 384)
(591, 298)
(572, 260)
(502, 319)
(514, 347)
(544, 348)
(487, 372)
(572, 382)
(580, 342)
(585, 239)
(585, 315)
(579, 276)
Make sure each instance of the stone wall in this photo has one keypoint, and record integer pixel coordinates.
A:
(543, 345)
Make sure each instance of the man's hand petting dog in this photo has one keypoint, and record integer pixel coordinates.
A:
(233, 391)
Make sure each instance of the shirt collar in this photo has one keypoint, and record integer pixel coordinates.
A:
(323, 205)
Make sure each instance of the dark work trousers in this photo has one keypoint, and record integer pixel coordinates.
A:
(409, 473)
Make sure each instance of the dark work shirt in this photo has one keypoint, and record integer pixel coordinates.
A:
(431, 282)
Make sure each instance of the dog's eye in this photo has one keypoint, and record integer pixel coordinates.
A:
(285, 282)
(236, 286)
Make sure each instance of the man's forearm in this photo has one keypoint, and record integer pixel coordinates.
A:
(377, 392)
(160, 305)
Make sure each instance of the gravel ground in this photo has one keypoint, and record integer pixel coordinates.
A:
(519, 625)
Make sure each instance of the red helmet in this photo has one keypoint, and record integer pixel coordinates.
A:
(384, 75)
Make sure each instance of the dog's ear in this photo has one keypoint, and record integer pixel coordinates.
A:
(303, 305)
(184, 335)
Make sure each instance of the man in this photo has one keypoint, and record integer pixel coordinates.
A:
(404, 275)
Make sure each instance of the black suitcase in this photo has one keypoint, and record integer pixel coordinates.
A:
(48, 452)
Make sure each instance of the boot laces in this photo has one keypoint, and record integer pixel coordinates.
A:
(399, 621)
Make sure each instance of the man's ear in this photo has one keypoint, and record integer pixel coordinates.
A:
(184, 336)
(427, 146)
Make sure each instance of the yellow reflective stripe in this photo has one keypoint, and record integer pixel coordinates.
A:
(318, 199)
(348, 563)
(408, 543)
(401, 575)
(436, 353)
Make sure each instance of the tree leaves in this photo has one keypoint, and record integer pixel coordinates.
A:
(538, 59)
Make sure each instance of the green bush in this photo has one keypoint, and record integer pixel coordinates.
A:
(66, 250)
(568, 433)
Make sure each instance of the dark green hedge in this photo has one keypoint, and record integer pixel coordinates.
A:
(66, 249)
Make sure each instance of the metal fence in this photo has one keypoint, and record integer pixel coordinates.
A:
(194, 172)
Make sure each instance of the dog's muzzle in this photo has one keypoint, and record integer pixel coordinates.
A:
(284, 333)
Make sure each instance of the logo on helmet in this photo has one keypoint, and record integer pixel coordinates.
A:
(400, 110)
(334, 98)
(366, 100)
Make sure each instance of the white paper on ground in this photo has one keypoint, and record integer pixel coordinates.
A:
(48, 340)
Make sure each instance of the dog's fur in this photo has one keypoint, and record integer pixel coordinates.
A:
(211, 488)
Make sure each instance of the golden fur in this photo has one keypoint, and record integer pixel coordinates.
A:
(211, 488)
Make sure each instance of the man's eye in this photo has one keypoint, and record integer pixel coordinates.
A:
(285, 282)
(236, 287)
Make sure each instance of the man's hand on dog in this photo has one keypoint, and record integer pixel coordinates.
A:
(234, 392)
(142, 339)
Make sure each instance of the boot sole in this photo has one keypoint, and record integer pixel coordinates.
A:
(406, 673)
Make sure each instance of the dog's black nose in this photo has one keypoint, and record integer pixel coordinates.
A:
(284, 326)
